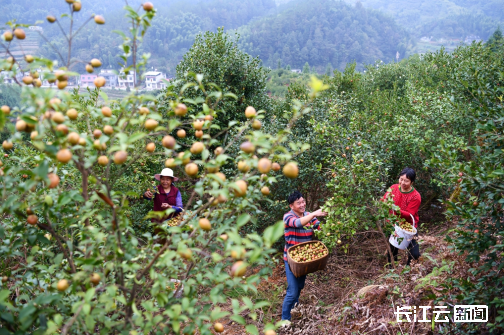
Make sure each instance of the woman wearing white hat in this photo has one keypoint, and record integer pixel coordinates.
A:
(168, 196)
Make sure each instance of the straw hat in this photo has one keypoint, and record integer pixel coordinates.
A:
(165, 173)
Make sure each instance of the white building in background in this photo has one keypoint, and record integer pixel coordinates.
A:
(111, 78)
(154, 80)
(10, 80)
(129, 80)
(36, 28)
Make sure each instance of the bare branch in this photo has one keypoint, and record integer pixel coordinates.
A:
(70, 38)
(69, 324)
(60, 241)
(52, 46)
(75, 34)
(61, 28)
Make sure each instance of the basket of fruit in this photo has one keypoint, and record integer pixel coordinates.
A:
(174, 221)
(178, 218)
(403, 234)
(307, 257)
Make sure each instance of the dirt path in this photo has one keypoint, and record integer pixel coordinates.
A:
(329, 302)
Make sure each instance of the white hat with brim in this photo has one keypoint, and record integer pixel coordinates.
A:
(165, 173)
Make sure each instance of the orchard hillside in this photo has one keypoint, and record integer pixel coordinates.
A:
(85, 249)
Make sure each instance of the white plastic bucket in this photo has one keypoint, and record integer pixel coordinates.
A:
(179, 291)
(401, 238)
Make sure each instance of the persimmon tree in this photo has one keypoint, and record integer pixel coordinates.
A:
(71, 260)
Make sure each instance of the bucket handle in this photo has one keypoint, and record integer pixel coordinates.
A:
(412, 218)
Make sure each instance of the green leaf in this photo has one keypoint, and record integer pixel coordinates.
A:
(4, 294)
(26, 312)
(42, 170)
(261, 304)
(135, 137)
(173, 123)
(176, 326)
(2, 120)
(86, 309)
(205, 154)
(58, 319)
(217, 314)
(57, 260)
(221, 158)
(64, 199)
(216, 257)
(273, 233)
(248, 303)
(104, 96)
(252, 329)
(46, 299)
(90, 323)
(119, 33)
(230, 95)
(499, 172)
(242, 220)
(90, 294)
(237, 318)
(28, 119)
(7, 316)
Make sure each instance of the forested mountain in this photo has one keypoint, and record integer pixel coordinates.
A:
(174, 30)
(321, 33)
(26, 11)
(443, 18)
(492, 8)
(409, 12)
(459, 26)
(172, 34)
(324, 32)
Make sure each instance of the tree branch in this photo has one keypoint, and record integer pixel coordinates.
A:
(60, 241)
(389, 250)
(69, 324)
(52, 46)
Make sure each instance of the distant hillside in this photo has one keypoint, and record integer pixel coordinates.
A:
(408, 12)
(323, 33)
(172, 33)
(443, 18)
(492, 8)
(174, 29)
(459, 26)
(18, 48)
(26, 11)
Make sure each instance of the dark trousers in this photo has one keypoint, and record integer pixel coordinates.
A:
(413, 251)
